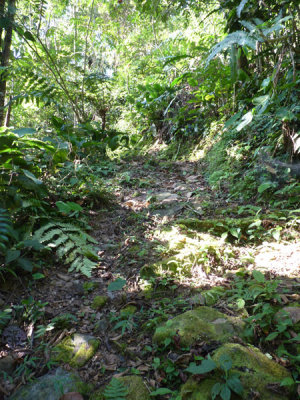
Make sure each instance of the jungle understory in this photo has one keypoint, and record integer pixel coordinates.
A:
(194, 297)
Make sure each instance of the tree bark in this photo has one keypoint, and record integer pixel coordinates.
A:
(5, 51)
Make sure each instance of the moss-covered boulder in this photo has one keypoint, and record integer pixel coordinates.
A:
(258, 374)
(202, 323)
(75, 350)
(135, 386)
(52, 386)
(193, 390)
(99, 302)
(257, 371)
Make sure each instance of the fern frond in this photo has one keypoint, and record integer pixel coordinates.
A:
(115, 390)
(5, 229)
(240, 38)
(70, 244)
(241, 7)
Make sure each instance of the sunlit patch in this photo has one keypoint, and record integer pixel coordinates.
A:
(279, 258)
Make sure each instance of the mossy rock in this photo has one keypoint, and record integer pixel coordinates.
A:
(256, 370)
(99, 302)
(202, 323)
(193, 390)
(135, 386)
(75, 350)
(51, 386)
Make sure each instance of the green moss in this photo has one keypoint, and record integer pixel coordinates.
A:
(85, 353)
(193, 390)
(75, 350)
(256, 370)
(90, 286)
(99, 302)
(129, 310)
(203, 323)
(137, 390)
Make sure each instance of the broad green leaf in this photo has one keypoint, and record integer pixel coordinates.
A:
(272, 336)
(287, 382)
(235, 385)
(161, 392)
(265, 186)
(216, 389)
(225, 362)
(225, 392)
(29, 36)
(32, 177)
(258, 276)
(24, 131)
(240, 303)
(12, 255)
(246, 120)
(38, 275)
(203, 368)
(118, 284)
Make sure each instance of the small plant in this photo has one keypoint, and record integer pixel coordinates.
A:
(115, 390)
(229, 381)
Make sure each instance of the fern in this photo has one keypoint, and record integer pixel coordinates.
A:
(240, 38)
(5, 230)
(71, 244)
(241, 7)
(116, 390)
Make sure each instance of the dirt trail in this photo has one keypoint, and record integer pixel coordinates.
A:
(149, 196)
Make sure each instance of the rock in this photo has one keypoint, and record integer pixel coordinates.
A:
(257, 374)
(137, 390)
(76, 350)
(99, 302)
(290, 312)
(64, 277)
(52, 386)
(193, 390)
(166, 197)
(202, 323)
(7, 365)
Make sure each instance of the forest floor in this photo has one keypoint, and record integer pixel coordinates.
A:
(139, 229)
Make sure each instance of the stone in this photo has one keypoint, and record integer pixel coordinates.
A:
(7, 365)
(291, 312)
(135, 385)
(99, 302)
(166, 197)
(257, 374)
(202, 323)
(52, 386)
(75, 350)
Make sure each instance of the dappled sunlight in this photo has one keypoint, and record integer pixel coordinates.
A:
(278, 258)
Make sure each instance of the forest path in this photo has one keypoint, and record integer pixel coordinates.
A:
(141, 229)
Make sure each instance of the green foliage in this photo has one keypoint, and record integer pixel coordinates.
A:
(5, 230)
(115, 390)
(230, 382)
(118, 284)
(70, 244)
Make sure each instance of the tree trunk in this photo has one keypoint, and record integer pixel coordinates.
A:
(5, 55)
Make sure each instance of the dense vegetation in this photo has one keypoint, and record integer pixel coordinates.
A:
(98, 99)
